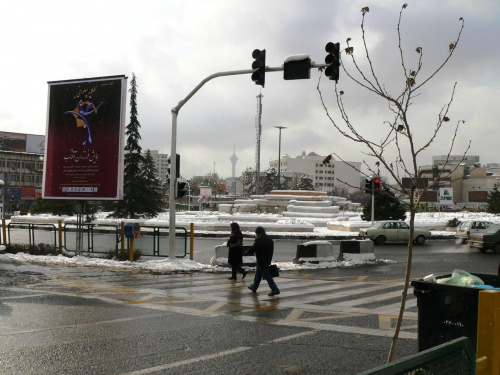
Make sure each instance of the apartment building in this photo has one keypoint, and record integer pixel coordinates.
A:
(326, 177)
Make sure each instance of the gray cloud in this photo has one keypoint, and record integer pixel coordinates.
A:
(171, 47)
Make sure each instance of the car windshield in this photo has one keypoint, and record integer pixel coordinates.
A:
(378, 224)
(492, 229)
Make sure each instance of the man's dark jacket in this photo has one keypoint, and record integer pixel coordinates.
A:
(263, 248)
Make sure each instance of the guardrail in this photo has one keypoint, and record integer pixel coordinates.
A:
(93, 231)
(454, 357)
(31, 230)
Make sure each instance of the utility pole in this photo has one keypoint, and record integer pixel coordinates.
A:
(258, 130)
(279, 156)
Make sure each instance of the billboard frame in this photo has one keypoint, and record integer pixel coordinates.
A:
(91, 110)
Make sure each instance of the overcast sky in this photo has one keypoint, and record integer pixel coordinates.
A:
(172, 46)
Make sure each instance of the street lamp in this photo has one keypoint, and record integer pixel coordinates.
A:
(279, 156)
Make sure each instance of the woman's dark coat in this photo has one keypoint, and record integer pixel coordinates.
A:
(235, 253)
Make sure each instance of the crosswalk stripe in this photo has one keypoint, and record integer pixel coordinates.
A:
(311, 303)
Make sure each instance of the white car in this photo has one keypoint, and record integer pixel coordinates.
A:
(393, 231)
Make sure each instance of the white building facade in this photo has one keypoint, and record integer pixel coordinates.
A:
(326, 177)
(161, 163)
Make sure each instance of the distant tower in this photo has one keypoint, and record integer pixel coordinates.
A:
(233, 159)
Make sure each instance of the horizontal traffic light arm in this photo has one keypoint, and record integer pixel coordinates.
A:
(178, 107)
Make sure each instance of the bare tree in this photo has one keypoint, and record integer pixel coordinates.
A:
(399, 140)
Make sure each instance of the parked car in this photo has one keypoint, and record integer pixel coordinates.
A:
(489, 239)
(393, 230)
(469, 227)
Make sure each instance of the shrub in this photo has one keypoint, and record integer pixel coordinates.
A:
(40, 249)
(122, 256)
(453, 223)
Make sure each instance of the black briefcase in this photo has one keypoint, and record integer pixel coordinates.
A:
(274, 270)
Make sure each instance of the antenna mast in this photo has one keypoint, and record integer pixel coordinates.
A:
(258, 131)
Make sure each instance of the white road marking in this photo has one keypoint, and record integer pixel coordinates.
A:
(188, 361)
(168, 366)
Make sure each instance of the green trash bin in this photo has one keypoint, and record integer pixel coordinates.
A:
(447, 312)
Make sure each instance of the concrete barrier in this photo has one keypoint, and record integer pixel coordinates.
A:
(222, 255)
(314, 252)
(356, 250)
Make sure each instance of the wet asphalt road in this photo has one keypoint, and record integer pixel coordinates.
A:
(71, 320)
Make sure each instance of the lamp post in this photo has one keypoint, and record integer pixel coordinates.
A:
(279, 156)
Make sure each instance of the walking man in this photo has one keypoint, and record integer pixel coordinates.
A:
(263, 249)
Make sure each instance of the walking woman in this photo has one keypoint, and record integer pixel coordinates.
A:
(235, 258)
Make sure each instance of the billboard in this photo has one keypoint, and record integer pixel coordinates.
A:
(206, 193)
(12, 142)
(35, 143)
(446, 195)
(84, 139)
(28, 192)
(20, 142)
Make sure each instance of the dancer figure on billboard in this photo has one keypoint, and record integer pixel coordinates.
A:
(80, 115)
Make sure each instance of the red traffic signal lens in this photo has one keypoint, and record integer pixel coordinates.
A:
(329, 59)
(330, 47)
(256, 65)
(257, 76)
(377, 180)
(257, 54)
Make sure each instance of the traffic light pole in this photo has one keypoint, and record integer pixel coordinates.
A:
(173, 148)
(373, 201)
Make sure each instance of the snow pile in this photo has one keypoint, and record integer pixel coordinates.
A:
(167, 265)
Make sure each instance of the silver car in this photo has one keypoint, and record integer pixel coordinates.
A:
(470, 227)
(394, 231)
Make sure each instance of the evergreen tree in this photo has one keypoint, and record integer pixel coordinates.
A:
(130, 206)
(387, 207)
(269, 182)
(152, 202)
(493, 200)
(248, 180)
(304, 183)
(62, 208)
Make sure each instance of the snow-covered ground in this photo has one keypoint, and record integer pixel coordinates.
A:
(287, 227)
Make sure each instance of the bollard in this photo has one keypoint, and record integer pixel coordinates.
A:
(122, 233)
(488, 333)
(59, 230)
(131, 250)
(4, 232)
(132, 231)
(191, 241)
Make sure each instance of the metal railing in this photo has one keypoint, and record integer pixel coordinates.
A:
(31, 230)
(97, 240)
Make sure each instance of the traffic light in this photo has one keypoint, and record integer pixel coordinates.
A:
(177, 165)
(368, 185)
(259, 67)
(376, 184)
(333, 61)
(180, 189)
